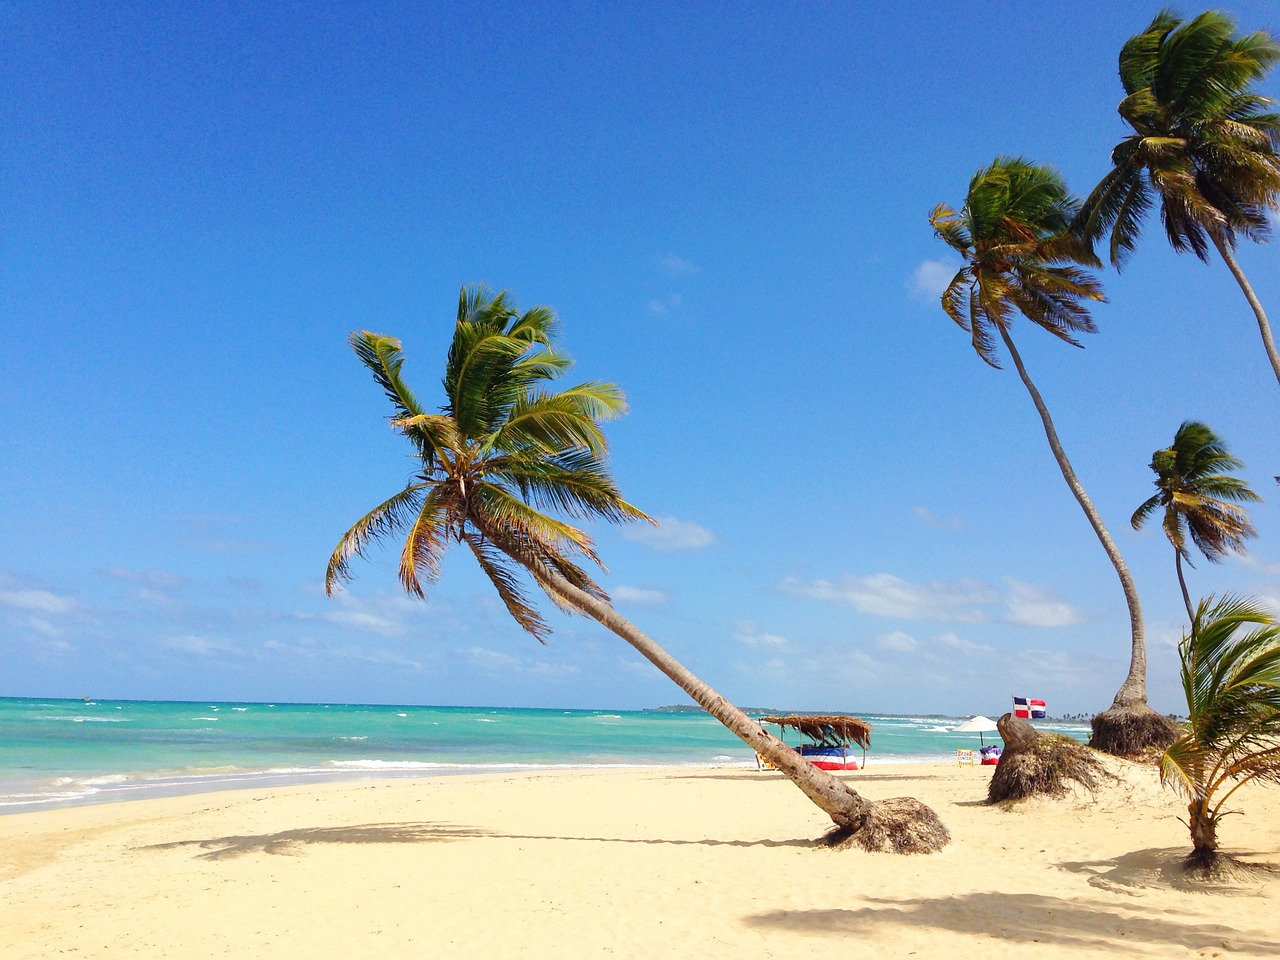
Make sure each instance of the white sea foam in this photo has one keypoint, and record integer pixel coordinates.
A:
(89, 719)
(478, 719)
(401, 714)
(204, 718)
(241, 709)
(353, 738)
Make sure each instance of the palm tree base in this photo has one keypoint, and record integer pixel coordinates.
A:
(897, 825)
(1132, 730)
(1035, 763)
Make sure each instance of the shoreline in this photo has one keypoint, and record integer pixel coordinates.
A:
(103, 789)
(668, 861)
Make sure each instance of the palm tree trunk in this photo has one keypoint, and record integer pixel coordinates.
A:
(1268, 342)
(1204, 835)
(834, 797)
(1186, 597)
(1133, 692)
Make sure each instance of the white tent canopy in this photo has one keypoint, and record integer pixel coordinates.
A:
(978, 725)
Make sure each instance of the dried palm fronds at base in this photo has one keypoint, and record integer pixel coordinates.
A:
(1132, 731)
(896, 825)
(1040, 764)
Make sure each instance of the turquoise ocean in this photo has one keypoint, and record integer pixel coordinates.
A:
(66, 752)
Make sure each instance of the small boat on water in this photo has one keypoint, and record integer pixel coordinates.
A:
(829, 739)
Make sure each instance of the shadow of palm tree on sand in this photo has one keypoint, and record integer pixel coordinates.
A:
(291, 842)
(1023, 918)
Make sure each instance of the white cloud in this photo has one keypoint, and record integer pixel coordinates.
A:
(884, 595)
(956, 601)
(953, 642)
(201, 646)
(41, 601)
(677, 266)
(663, 306)
(671, 534)
(747, 633)
(1032, 606)
(42, 626)
(929, 279)
(898, 642)
(148, 578)
(366, 622)
(931, 519)
(644, 595)
(510, 665)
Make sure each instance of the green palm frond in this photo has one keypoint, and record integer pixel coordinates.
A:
(426, 540)
(1020, 255)
(1231, 679)
(1197, 494)
(503, 450)
(384, 358)
(384, 520)
(1204, 145)
(503, 574)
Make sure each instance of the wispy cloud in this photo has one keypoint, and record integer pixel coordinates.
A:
(1031, 606)
(158, 579)
(675, 266)
(509, 664)
(884, 595)
(661, 307)
(929, 279)
(671, 534)
(747, 633)
(40, 601)
(202, 646)
(897, 641)
(955, 601)
(639, 595)
(931, 519)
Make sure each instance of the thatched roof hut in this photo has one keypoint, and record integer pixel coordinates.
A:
(831, 730)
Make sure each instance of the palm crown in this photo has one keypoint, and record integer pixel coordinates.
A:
(1203, 146)
(1231, 679)
(1198, 496)
(502, 450)
(1012, 233)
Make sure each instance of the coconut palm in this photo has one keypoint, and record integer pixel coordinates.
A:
(503, 450)
(1020, 259)
(1203, 147)
(1198, 498)
(1231, 678)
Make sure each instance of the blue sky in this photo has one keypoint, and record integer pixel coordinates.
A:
(727, 205)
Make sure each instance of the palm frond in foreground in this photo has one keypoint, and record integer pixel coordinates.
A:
(1231, 678)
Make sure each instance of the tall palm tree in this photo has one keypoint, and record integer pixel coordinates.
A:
(1198, 498)
(501, 452)
(1203, 146)
(1020, 258)
(1231, 678)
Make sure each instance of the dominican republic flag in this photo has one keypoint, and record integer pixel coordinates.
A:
(1029, 709)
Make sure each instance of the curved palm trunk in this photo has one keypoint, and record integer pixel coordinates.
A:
(1268, 342)
(1186, 597)
(1133, 692)
(834, 797)
(1204, 835)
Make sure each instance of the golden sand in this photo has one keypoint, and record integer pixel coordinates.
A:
(656, 863)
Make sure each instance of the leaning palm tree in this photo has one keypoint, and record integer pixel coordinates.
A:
(502, 452)
(1231, 678)
(1203, 147)
(1020, 258)
(1198, 498)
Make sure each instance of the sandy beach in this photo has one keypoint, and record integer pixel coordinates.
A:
(665, 862)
